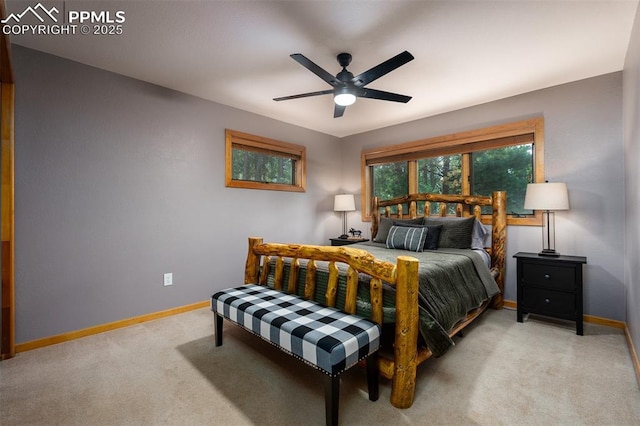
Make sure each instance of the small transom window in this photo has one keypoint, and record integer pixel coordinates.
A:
(256, 162)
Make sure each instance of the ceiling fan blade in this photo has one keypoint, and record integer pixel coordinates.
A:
(303, 95)
(311, 66)
(382, 69)
(338, 110)
(385, 96)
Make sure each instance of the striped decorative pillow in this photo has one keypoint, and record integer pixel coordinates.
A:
(407, 238)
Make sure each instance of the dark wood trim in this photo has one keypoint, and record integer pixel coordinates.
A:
(6, 69)
(8, 337)
(7, 249)
(7, 347)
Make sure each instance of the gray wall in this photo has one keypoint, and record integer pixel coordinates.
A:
(119, 181)
(583, 147)
(631, 98)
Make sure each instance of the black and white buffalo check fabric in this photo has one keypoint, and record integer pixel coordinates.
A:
(323, 337)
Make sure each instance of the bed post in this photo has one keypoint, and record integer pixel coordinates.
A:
(406, 333)
(375, 217)
(498, 243)
(252, 267)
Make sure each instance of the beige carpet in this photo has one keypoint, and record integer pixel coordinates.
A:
(169, 372)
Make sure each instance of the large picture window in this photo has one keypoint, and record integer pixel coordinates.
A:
(260, 163)
(505, 157)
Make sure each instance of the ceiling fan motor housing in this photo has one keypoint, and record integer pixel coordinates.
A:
(344, 59)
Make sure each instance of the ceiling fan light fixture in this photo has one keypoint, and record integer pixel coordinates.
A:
(343, 97)
(346, 87)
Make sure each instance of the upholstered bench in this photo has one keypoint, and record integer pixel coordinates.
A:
(326, 338)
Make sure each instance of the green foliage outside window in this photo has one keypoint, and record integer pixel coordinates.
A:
(509, 168)
(390, 180)
(261, 167)
(440, 175)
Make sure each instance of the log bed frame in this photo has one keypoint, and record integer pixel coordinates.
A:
(400, 367)
(465, 205)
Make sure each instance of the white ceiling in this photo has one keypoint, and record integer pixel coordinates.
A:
(237, 52)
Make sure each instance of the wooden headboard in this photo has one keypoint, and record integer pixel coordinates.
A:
(465, 205)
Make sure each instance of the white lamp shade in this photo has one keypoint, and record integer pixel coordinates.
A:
(344, 203)
(546, 196)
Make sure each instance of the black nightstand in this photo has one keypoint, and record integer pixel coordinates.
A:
(550, 286)
(346, 241)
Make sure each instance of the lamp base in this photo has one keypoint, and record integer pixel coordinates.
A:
(549, 253)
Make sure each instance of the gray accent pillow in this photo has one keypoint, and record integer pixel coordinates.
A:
(386, 223)
(407, 238)
(455, 232)
(478, 235)
(433, 236)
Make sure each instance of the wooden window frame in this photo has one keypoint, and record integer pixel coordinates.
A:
(235, 139)
(515, 133)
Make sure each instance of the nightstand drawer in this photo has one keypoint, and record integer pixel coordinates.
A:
(549, 276)
(549, 302)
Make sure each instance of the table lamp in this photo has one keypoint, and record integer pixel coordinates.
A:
(344, 203)
(548, 196)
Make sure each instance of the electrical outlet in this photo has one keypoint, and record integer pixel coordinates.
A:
(168, 279)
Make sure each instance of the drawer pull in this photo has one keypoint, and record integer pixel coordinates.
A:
(547, 276)
(547, 301)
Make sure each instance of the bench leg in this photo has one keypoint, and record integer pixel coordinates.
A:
(217, 322)
(331, 399)
(373, 376)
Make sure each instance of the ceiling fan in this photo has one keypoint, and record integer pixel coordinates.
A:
(346, 87)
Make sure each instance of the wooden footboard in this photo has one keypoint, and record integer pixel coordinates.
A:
(403, 275)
